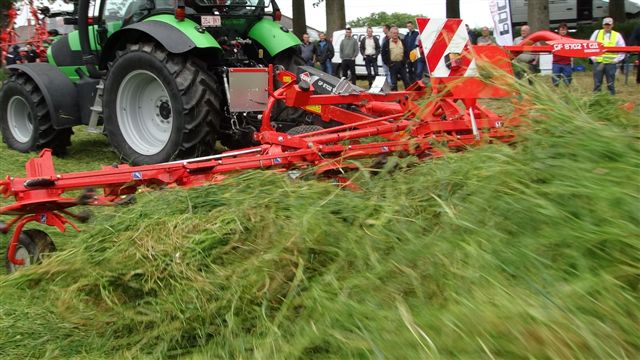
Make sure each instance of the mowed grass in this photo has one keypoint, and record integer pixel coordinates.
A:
(524, 251)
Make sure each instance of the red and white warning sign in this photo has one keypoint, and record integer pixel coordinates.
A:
(447, 48)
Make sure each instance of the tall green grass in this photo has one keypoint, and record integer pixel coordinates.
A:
(529, 250)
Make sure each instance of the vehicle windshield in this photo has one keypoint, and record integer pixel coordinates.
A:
(235, 3)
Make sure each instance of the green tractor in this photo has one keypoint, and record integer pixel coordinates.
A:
(153, 73)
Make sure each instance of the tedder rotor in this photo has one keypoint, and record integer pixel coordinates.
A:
(346, 123)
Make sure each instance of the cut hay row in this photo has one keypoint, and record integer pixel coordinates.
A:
(524, 251)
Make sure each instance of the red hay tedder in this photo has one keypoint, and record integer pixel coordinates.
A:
(39, 35)
(401, 122)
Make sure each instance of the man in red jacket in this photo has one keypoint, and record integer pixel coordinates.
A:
(561, 67)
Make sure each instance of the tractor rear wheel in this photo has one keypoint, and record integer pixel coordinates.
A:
(24, 118)
(161, 106)
(32, 246)
(290, 61)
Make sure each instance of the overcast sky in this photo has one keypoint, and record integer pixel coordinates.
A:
(474, 12)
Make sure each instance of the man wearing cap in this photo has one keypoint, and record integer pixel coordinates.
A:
(605, 65)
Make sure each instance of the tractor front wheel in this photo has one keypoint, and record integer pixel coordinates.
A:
(32, 246)
(24, 118)
(160, 106)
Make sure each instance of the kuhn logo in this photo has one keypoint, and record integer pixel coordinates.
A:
(306, 77)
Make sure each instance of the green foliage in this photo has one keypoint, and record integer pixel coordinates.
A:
(382, 18)
(523, 251)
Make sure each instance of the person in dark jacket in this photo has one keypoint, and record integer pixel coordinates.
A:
(370, 49)
(307, 50)
(31, 55)
(13, 56)
(324, 53)
(410, 42)
(473, 36)
(385, 68)
(394, 56)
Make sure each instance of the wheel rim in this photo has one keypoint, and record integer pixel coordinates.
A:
(20, 119)
(144, 111)
(23, 254)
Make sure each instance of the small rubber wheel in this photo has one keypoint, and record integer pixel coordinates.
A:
(33, 245)
(303, 129)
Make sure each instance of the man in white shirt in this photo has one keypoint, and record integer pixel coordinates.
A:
(606, 64)
(370, 49)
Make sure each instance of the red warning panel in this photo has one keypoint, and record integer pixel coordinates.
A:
(447, 48)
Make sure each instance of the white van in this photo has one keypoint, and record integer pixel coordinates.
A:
(358, 33)
(571, 12)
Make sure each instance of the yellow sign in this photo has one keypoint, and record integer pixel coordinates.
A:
(314, 108)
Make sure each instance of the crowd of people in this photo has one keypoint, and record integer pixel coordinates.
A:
(403, 59)
(16, 56)
(604, 66)
(400, 57)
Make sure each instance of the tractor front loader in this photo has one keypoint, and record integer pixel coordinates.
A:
(151, 74)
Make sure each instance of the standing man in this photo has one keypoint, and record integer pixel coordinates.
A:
(635, 41)
(526, 62)
(385, 68)
(410, 42)
(393, 55)
(561, 66)
(605, 65)
(306, 50)
(13, 56)
(370, 49)
(486, 38)
(348, 54)
(32, 55)
(473, 37)
(324, 53)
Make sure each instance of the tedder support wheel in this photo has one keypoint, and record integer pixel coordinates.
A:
(33, 244)
(24, 118)
(161, 106)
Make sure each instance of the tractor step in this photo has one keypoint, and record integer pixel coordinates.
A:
(96, 111)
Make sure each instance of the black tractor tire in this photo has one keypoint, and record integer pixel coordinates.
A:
(190, 109)
(33, 245)
(24, 118)
(290, 61)
(303, 129)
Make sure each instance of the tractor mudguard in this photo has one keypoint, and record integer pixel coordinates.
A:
(176, 36)
(273, 36)
(58, 90)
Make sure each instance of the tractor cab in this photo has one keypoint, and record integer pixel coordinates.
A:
(227, 25)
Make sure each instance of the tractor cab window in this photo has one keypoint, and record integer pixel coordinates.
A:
(230, 4)
(126, 11)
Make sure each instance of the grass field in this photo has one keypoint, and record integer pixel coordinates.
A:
(523, 251)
